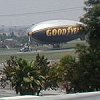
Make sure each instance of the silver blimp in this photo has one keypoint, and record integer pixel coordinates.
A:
(57, 31)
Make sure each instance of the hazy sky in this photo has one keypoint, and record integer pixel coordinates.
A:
(27, 12)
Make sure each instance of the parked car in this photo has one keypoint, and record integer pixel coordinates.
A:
(24, 49)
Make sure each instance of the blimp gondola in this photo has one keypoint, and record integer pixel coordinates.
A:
(56, 31)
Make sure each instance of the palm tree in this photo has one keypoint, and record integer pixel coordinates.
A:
(23, 76)
(41, 64)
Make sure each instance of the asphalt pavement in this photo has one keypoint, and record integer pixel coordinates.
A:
(7, 92)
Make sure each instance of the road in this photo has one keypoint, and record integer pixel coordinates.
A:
(7, 92)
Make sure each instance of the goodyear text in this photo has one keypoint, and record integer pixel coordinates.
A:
(64, 31)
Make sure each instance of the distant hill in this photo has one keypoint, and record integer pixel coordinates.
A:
(17, 30)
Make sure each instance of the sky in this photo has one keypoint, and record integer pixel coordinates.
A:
(28, 12)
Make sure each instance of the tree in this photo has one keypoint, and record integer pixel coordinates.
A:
(88, 69)
(3, 37)
(23, 76)
(10, 66)
(91, 2)
(67, 68)
(92, 20)
(53, 78)
(41, 64)
(23, 39)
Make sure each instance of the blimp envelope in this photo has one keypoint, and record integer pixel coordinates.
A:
(57, 31)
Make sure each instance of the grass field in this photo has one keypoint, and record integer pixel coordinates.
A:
(31, 55)
(6, 53)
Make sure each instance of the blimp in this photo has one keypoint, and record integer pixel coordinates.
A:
(56, 31)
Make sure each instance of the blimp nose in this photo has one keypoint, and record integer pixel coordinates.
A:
(30, 33)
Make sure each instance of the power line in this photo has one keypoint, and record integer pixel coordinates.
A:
(43, 12)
